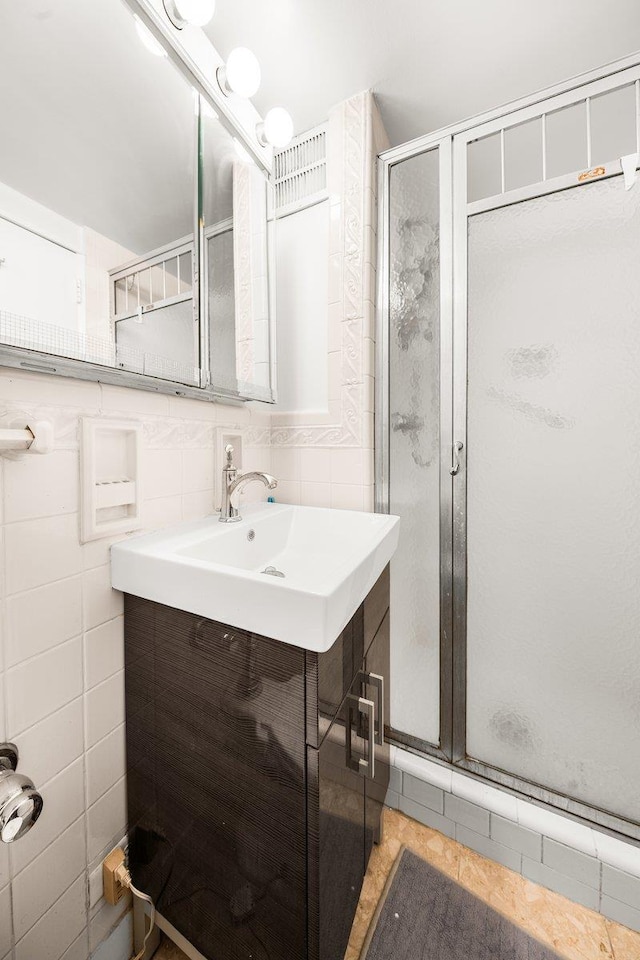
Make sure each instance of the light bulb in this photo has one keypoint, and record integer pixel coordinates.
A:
(148, 39)
(241, 73)
(196, 13)
(276, 129)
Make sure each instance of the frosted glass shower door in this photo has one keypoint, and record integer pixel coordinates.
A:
(553, 493)
(414, 443)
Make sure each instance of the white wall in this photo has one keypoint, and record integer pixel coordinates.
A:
(32, 215)
(61, 645)
(55, 273)
(324, 457)
(43, 262)
(302, 298)
(39, 279)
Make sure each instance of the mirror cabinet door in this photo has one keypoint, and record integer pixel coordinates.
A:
(121, 191)
(235, 264)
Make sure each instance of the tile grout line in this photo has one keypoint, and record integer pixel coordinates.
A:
(5, 689)
(43, 653)
(57, 900)
(48, 716)
(119, 726)
(84, 745)
(102, 682)
(64, 829)
(44, 850)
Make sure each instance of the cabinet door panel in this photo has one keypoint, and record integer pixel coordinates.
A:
(337, 838)
(216, 782)
(330, 675)
(375, 607)
(376, 688)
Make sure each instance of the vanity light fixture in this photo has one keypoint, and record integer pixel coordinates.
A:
(240, 74)
(276, 129)
(195, 13)
(148, 39)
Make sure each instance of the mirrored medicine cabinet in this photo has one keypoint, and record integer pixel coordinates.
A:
(135, 227)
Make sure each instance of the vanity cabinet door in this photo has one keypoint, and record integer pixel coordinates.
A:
(337, 788)
(375, 606)
(216, 782)
(375, 687)
(329, 677)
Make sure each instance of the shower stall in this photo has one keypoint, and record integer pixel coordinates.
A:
(508, 440)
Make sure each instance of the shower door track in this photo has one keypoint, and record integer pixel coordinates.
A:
(452, 143)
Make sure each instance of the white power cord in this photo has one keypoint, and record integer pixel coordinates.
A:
(123, 877)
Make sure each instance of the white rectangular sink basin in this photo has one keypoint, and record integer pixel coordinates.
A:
(329, 559)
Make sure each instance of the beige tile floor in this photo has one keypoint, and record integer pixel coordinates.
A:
(574, 932)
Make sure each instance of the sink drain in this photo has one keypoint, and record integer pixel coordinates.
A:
(272, 572)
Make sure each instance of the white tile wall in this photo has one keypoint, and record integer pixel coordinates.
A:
(105, 820)
(65, 729)
(100, 602)
(62, 648)
(105, 763)
(42, 551)
(42, 488)
(63, 803)
(4, 866)
(40, 686)
(37, 887)
(5, 921)
(40, 619)
(103, 652)
(327, 460)
(56, 930)
(104, 706)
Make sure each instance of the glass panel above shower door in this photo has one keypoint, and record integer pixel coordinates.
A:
(414, 443)
(553, 493)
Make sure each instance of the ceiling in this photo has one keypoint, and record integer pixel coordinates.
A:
(430, 62)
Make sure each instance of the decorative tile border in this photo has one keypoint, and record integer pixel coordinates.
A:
(158, 431)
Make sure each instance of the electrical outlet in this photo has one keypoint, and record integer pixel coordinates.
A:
(114, 889)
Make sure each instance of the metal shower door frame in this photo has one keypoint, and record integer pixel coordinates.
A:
(443, 145)
(455, 211)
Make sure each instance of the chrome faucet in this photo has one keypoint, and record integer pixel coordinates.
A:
(232, 482)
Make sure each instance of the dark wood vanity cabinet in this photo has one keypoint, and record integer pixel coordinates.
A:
(256, 775)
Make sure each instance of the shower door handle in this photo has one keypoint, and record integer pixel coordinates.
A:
(456, 447)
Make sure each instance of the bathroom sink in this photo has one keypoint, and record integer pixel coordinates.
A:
(297, 574)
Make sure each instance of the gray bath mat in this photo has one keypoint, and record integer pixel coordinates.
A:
(424, 915)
